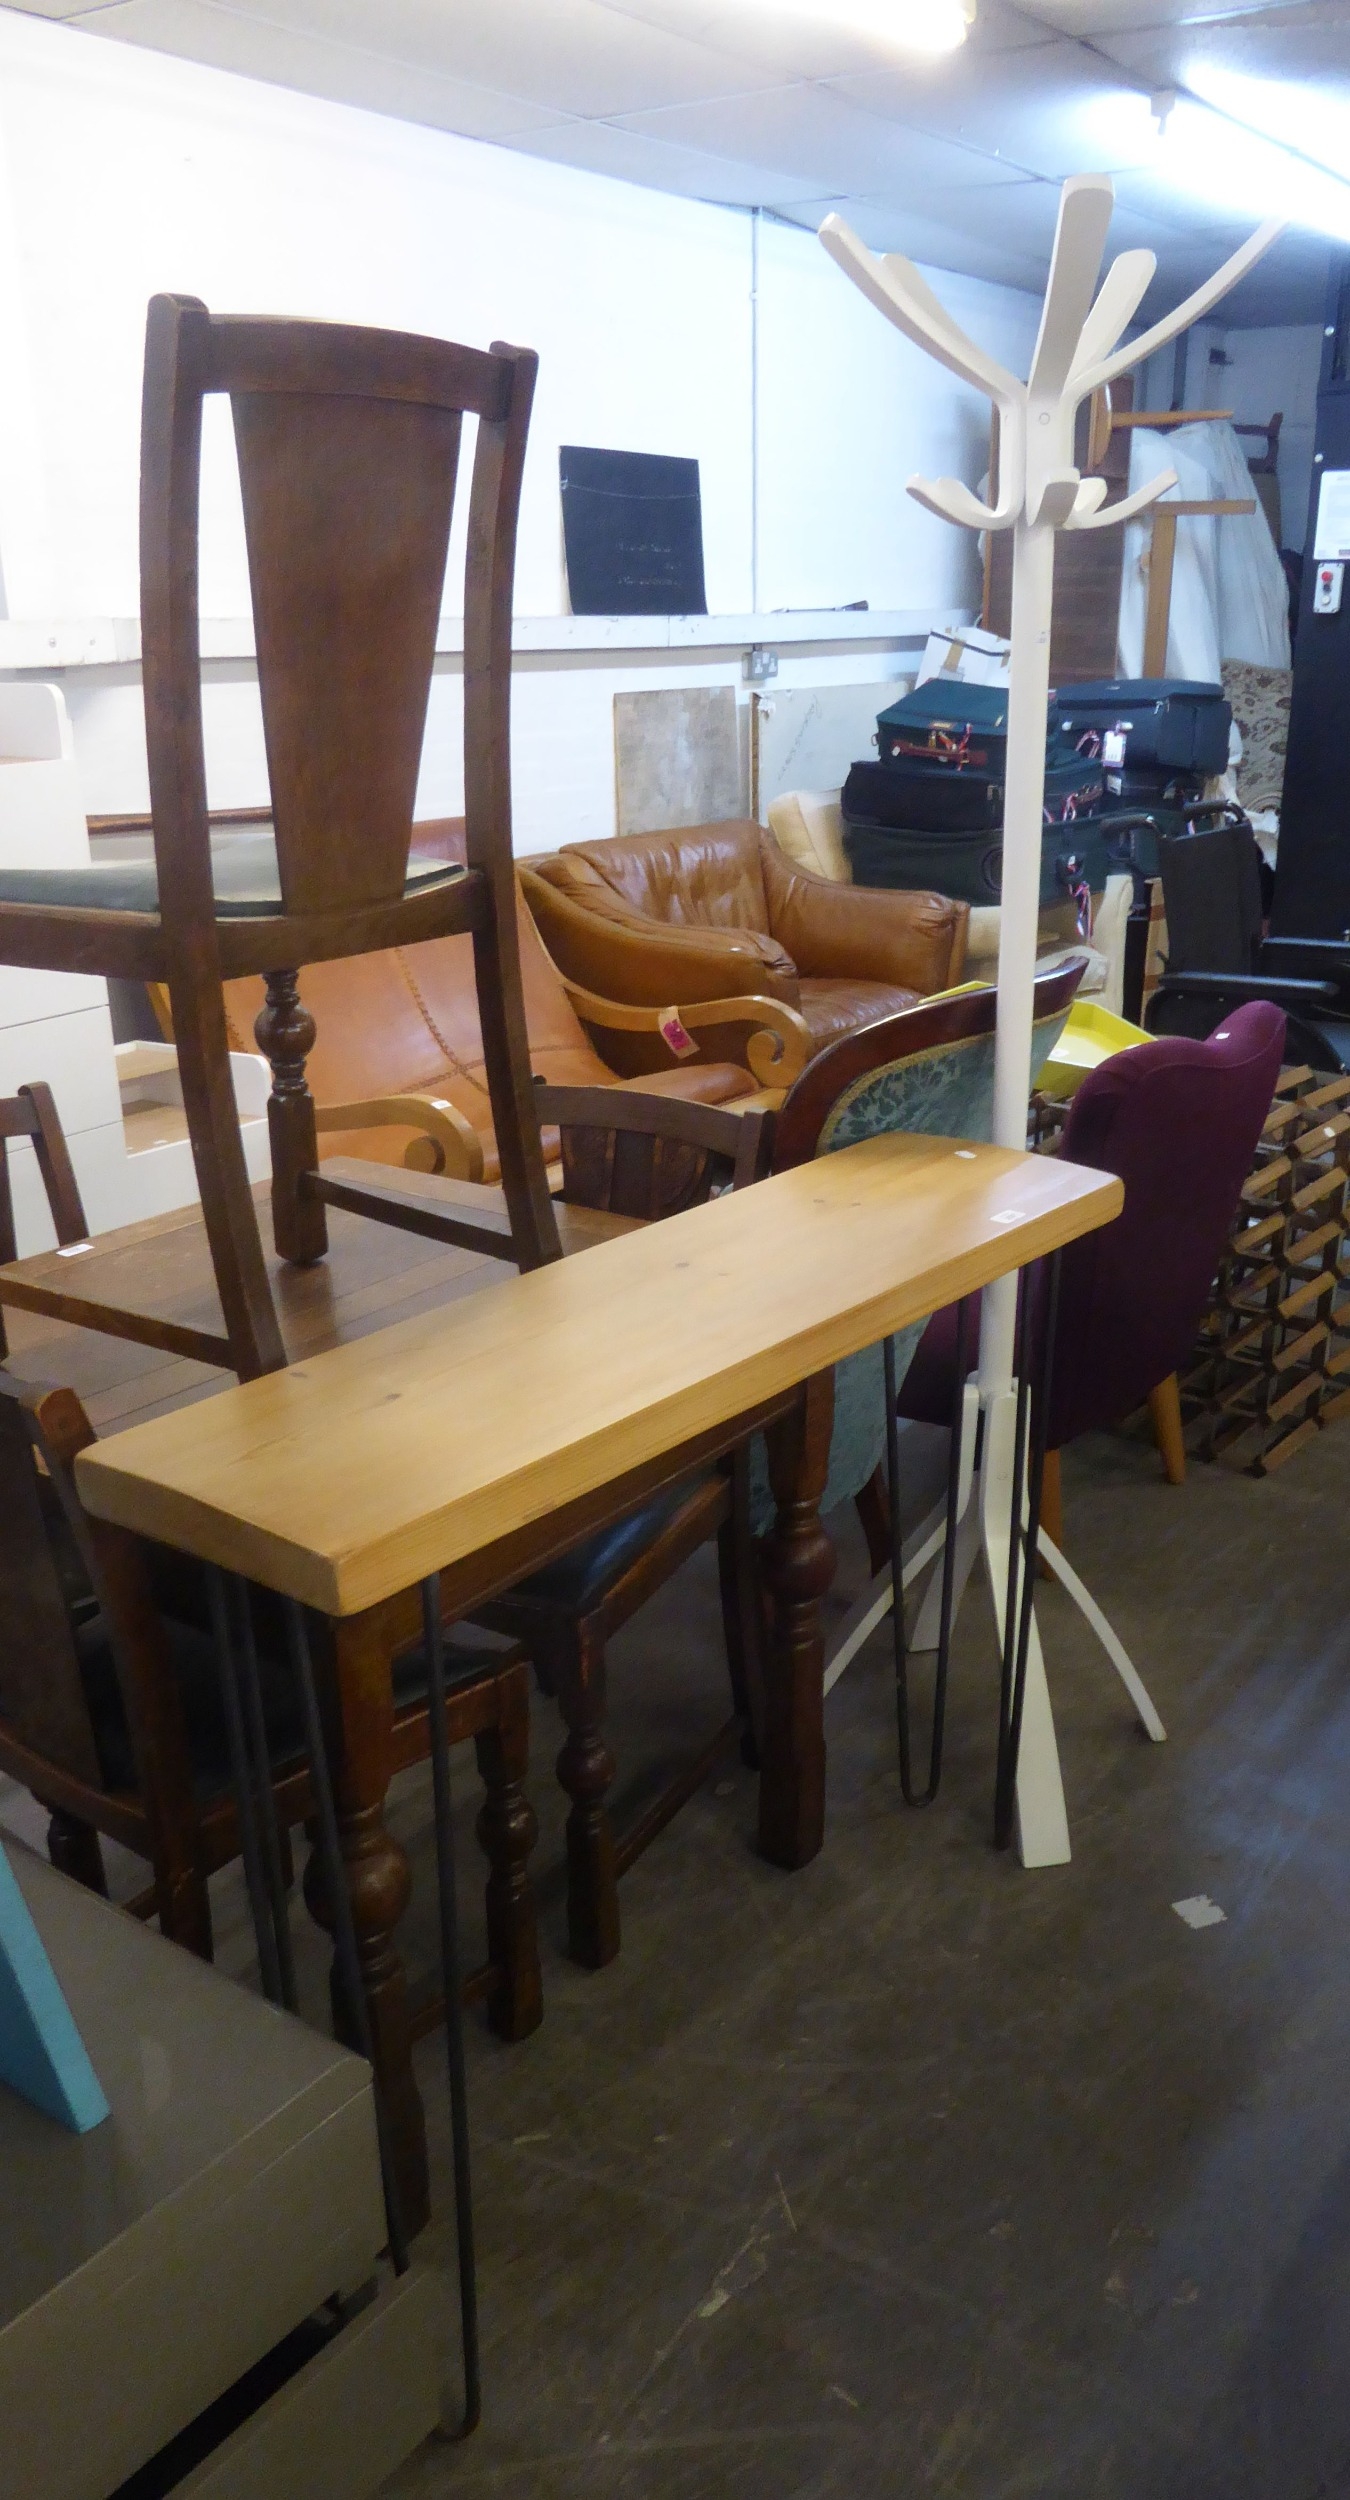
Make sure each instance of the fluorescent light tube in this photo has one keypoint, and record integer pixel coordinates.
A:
(1250, 147)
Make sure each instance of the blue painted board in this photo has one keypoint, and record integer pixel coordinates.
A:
(41, 2053)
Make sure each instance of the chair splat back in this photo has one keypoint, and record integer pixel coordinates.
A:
(356, 534)
(348, 448)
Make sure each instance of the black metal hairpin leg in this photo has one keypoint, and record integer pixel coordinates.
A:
(242, 1772)
(255, 1728)
(344, 1925)
(1025, 1541)
(433, 1638)
(925, 1796)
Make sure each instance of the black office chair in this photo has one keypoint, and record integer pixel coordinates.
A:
(1218, 957)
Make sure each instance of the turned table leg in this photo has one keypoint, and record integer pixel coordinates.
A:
(799, 1566)
(352, 1663)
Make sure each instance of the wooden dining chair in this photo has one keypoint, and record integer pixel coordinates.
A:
(112, 1715)
(643, 1156)
(348, 446)
(32, 1114)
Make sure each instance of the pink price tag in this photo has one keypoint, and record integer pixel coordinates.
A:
(673, 1034)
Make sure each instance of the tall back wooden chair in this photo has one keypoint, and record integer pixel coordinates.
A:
(348, 447)
(644, 1156)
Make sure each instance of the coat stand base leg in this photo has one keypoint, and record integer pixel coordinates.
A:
(1042, 1821)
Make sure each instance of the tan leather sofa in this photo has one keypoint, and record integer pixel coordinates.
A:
(718, 912)
(397, 1065)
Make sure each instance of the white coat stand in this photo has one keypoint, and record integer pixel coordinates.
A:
(1038, 491)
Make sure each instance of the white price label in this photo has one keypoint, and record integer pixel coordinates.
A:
(1333, 517)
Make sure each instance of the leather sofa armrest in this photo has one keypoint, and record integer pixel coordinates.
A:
(915, 941)
(446, 1142)
(617, 953)
(777, 1046)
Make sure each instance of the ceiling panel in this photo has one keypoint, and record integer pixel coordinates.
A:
(817, 131)
(1092, 19)
(662, 165)
(317, 65)
(573, 56)
(1304, 46)
(1289, 285)
(1053, 111)
(788, 46)
(749, 104)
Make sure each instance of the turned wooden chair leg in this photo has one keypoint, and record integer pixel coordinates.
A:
(586, 1770)
(74, 1849)
(507, 1831)
(284, 1031)
(1164, 1406)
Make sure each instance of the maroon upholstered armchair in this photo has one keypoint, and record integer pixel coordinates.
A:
(1177, 1121)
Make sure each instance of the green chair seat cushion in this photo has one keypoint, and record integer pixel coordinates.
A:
(243, 871)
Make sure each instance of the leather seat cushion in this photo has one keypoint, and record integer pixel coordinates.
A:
(832, 1008)
(577, 1581)
(194, 1661)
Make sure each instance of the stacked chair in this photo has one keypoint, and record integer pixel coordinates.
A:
(348, 446)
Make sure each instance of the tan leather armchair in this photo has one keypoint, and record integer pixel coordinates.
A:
(718, 912)
(396, 1068)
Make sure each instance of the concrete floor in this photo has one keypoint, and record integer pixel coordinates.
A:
(917, 2173)
(914, 2173)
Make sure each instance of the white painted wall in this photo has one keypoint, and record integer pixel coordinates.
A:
(123, 172)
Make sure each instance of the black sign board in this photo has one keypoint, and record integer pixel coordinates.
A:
(633, 530)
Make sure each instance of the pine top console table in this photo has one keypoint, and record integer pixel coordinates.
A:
(348, 1478)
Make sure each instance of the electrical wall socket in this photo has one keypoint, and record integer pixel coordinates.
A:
(758, 665)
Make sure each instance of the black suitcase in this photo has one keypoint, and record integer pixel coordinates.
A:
(1076, 860)
(1152, 786)
(1175, 722)
(959, 729)
(928, 798)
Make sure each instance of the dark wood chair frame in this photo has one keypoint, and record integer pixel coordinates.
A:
(48, 1745)
(644, 1156)
(348, 447)
(32, 1113)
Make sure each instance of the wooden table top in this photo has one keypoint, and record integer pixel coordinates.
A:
(161, 1267)
(358, 1472)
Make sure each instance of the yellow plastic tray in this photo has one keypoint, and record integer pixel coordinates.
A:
(1091, 1035)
